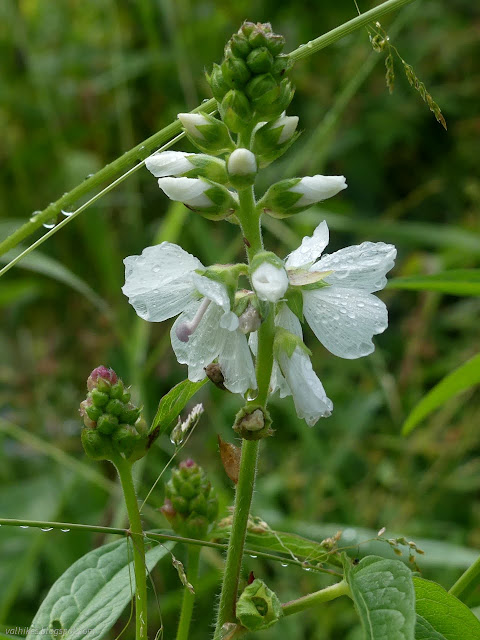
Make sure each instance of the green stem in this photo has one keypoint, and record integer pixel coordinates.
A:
(165, 135)
(249, 220)
(306, 50)
(124, 469)
(188, 596)
(313, 599)
(467, 580)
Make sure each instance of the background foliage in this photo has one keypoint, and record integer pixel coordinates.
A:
(88, 80)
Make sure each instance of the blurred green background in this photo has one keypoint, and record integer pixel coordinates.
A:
(82, 82)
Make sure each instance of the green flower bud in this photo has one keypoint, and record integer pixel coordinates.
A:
(270, 110)
(274, 138)
(263, 89)
(190, 504)
(114, 407)
(206, 132)
(235, 110)
(106, 424)
(258, 37)
(281, 65)
(129, 413)
(275, 43)
(99, 398)
(260, 60)
(235, 72)
(239, 45)
(247, 29)
(258, 607)
(93, 412)
(217, 83)
(96, 445)
(116, 390)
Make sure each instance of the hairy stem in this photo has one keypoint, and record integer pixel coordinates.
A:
(250, 223)
(188, 596)
(124, 469)
(146, 147)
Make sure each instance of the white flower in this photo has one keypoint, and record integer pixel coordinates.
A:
(162, 283)
(289, 124)
(270, 282)
(317, 188)
(190, 191)
(169, 163)
(345, 315)
(191, 122)
(242, 162)
(294, 375)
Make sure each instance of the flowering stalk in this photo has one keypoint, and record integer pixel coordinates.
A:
(250, 222)
(188, 596)
(124, 468)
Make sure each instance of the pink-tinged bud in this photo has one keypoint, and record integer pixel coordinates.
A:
(187, 464)
(167, 509)
(101, 373)
(84, 406)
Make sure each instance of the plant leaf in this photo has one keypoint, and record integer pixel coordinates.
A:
(172, 404)
(92, 593)
(384, 597)
(463, 378)
(460, 282)
(441, 616)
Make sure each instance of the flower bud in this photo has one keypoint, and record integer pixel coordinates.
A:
(270, 110)
(206, 132)
(242, 168)
(258, 607)
(235, 72)
(297, 194)
(263, 89)
(272, 139)
(260, 60)
(217, 83)
(190, 503)
(269, 277)
(112, 423)
(200, 195)
(239, 45)
(235, 110)
(190, 165)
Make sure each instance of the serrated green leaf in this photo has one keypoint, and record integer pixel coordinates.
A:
(172, 404)
(460, 282)
(92, 593)
(463, 378)
(442, 616)
(384, 597)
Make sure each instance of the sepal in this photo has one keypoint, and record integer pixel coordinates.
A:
(258, 607)
(207, 133)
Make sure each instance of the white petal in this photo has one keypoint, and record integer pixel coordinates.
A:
(362, 266)
(236, 363)
(169, 163)
(191, 121)
(190, 191)
(289, 124)
(159, 282)
(270, 282)
(286, 319)
(242, 162)
(204, 344)
(318, 188)
(277, 381)
(311, 402)
(310, 249)
(344, 320)
(217, 292)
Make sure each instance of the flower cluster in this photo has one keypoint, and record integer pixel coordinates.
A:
(216, 331)
(113, 425)
(190, 502)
